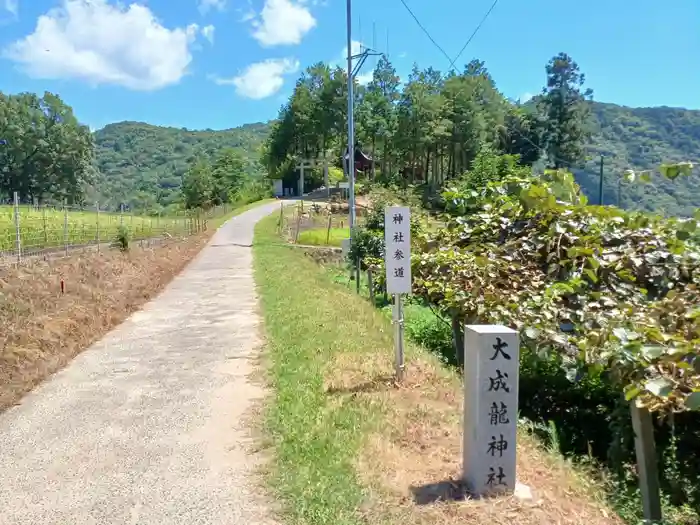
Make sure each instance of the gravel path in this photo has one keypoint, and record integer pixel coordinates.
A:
(148, 425)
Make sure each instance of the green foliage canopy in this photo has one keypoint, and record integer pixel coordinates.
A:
(45, 153)
(608, 290)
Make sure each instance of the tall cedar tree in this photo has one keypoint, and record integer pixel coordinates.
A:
(566, 112)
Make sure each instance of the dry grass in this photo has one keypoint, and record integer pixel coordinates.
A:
(41, 329)
(414, 463)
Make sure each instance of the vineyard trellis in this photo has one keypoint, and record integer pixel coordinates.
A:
(28, 231)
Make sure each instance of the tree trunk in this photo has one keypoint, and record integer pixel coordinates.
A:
(413, 164)
(427, 166)
(450, 160)
(385, 161)
(455, 164)
(442, 168)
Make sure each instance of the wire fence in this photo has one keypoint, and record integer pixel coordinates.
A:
(30, 231)
(317, 223)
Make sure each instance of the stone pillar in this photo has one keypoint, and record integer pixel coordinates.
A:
(491, 370)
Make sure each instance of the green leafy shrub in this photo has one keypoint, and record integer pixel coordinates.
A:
(603, 288)
(123, 238)
(250, 191)
(607, 303)
(366, 244)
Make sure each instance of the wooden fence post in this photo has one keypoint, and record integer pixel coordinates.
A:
(458, 339)
(43, 221)
(296, 235)
(18, 231)
(328, 233)
(647, 466)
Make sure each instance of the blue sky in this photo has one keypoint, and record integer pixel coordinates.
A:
(221, 63)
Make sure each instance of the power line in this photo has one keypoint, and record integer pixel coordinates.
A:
(466, 44)
(471, 37)
(424, 29)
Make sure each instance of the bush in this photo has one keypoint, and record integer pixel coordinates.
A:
(606, 303)
(123, 238)
(250, 191)
(366, 244)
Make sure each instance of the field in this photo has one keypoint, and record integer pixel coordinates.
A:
(324, 236)
(46, 227)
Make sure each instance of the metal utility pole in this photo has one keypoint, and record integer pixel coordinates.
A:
(326, 178)
(351, 124)
(600, 187)
(619, 192)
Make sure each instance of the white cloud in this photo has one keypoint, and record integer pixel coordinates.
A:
(103, 44)
(206, 5)
(208, 33)
(262, 79)
(11, 5)
(247, 13)
(364, 78)
(282, 22)
(247, 16)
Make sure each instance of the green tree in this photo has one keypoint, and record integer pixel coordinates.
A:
(45, 152)
(198, 185)
(565, 110)
(521, 135)
(420, 122)
(228, 174)
(376, 116)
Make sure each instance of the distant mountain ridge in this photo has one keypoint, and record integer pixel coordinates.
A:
(144, 164)
(644, 138)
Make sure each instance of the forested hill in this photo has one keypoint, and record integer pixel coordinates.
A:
(643, 138)
(145, 163)
(142, 165)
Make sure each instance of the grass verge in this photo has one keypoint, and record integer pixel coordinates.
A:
(316, 436)
(349, 446)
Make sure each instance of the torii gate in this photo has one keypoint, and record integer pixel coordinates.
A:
(308, 163)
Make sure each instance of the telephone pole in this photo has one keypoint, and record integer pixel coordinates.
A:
(351, 124)
(600, 182)
(361, 58)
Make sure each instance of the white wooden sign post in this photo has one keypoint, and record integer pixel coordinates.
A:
(397, 260)
(491, 370)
